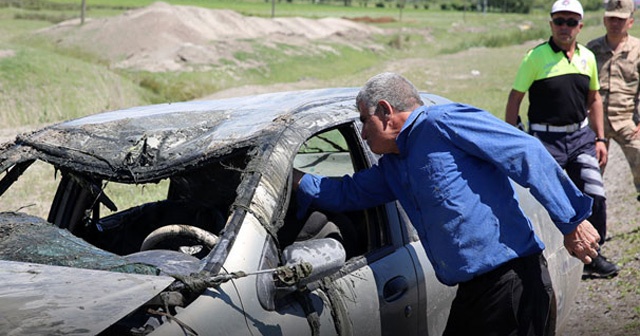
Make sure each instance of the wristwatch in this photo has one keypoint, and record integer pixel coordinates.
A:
(605, 140)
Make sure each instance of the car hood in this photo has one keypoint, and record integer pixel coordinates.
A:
(55, 300)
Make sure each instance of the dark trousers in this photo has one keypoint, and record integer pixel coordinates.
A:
(576, 153)
(517, 298)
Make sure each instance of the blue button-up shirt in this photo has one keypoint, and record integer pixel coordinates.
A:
(452, 179)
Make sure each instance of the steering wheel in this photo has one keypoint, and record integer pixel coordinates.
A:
(187, 239)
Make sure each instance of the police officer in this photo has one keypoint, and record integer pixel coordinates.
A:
(562, 80)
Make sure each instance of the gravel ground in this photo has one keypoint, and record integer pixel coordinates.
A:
(612, 306)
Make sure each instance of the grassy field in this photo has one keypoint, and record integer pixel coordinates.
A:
(44, 84)
(472, 58)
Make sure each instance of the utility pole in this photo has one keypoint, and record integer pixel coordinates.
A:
(83, 9)
(400, 4)
(273, 8)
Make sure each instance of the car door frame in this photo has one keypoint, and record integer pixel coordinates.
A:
(388, 270)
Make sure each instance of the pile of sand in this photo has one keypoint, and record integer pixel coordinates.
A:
(162, 37)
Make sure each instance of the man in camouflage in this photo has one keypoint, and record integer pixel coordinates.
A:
(618, 57)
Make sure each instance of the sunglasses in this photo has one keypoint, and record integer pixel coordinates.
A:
(570, 22)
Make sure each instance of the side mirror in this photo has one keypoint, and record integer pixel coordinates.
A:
(323, 256)
(308, 261)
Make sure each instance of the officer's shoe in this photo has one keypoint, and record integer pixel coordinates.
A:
(600, 267)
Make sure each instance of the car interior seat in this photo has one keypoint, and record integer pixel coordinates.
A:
(330, 225)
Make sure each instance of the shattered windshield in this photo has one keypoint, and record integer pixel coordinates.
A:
(96, 224)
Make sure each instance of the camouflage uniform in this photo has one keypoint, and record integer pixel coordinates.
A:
(619, 76)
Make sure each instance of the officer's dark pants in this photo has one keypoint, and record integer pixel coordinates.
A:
(576, 153)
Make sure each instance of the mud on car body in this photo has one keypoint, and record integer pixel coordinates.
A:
(179, 219)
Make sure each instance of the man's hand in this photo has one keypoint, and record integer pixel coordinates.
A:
(636, 132)
(601, 153)
(297, 176)
(582, 242)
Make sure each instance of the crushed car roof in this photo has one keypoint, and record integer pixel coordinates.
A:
(141, 143)
(145, 139)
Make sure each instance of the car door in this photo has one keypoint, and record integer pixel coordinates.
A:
(434, 297)
(378, 287)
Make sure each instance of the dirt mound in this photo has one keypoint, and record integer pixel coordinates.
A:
(162, 37)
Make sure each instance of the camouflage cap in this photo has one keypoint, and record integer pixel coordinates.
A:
(622, 9)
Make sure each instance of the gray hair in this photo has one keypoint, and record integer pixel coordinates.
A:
(393, 88)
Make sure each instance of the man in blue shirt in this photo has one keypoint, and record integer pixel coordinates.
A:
(449, 166)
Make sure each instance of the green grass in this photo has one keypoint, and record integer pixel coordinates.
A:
(279, 68)
(21, 196)
(177, 86)
(40, 86)
(247, 7)
(464, 56)
(125, 196)
(631, 242)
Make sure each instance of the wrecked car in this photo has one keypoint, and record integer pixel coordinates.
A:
(179, 219)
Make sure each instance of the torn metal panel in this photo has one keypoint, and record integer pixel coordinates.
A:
(13, 154)
(13, 175)
(53, 300)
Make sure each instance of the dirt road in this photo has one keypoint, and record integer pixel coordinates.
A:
(612, 306)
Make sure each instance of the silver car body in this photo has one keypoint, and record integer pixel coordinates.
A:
(386, 285)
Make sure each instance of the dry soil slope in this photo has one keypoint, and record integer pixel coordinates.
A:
(164, 37)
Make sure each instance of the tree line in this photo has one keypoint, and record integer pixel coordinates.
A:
(500, 6)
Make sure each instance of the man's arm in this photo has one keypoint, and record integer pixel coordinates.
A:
(520, 156)
(636, 114)
(364, 189)
(596, 120)
(636, 110)
(513, 107)
(527, 162)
